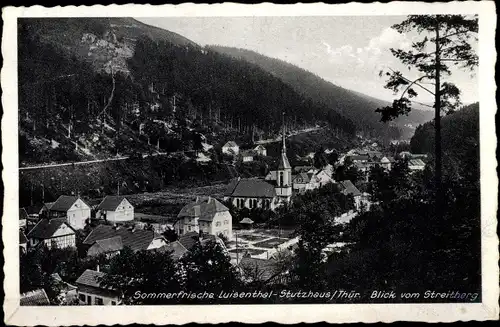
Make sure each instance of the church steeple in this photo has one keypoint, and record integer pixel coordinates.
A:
(283, 135)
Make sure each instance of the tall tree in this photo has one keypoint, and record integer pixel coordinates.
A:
(446, 41)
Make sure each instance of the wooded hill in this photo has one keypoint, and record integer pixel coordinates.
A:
(356, 106)
(95, 87)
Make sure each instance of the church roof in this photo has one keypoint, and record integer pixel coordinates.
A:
(283, 163)
(254, 188)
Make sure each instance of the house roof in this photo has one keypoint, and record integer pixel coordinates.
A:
(46, 228)
(349, 188)
(204, 208)
(259, 147)
(359, 157)
(176, 248)
(416, 162)
(248, 153)
(107, 245)
(34, 209)
(231, 186)
(138, 239)
(90, 278)
(254, 188)
(246, 220)
(263, 269)
(36, 297)
(63, 203)
(304, 178)
(22, 238)
(48, 205)
(301, 169)
(230, 144)
(110, 202)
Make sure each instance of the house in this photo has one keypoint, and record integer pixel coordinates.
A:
(358, 158)
(207, 215)
(304, 182)
(92, 292)
(247, 155)
(387, 162)
(34, 298)
(347, 187)
(54, 233)
(74, 209)
(260, 150)
(23, 242)
(107, 237)
(230, 148)
(324, 177)
(176, 249)
(115, 209)
(416, 164)
(251, 193)
(67, 292)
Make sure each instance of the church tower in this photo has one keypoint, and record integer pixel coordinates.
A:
(284, 172)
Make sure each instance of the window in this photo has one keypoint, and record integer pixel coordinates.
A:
(189, 228)
(113, 302)
(255, 203)
(250, 203)
(281, 179)
(226, 222)
(81, 297)
(217, 224)
(89, 299)
(98, 301)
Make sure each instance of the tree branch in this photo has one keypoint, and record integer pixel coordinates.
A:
(415, 83)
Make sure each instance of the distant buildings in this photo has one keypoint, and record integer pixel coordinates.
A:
(207, 215)
(54, 233)
(72, 208)
(260, 150)
(115, 209)
(347, 187)
(416, 164)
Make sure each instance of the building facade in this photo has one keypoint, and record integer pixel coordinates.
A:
(115, 209)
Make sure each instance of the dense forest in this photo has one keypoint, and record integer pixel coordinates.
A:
(460, 140)
(91, 88)
(356, 106)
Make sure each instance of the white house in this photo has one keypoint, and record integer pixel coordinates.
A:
(323, 177)
(230, 148)
(115, 209)
(304, 182)
(416, 164)
(92, 292)
(260, 150)
(206, 215)
(55, 232)
(247, 155)
(74, 209)
(386, 162)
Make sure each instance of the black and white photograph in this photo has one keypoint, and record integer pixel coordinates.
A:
(259, 159)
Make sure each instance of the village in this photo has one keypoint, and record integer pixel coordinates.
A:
(111, 224)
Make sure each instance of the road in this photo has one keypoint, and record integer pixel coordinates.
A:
(278, 138)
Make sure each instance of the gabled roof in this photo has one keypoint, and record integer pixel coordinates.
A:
(63, 203)
(304, 178)
(36, 297)
(138, 239)
(91, 278)
(22, 238)
(48, 205)
(107, 245)
(230, 144)
(255, 188)
(205, 208)
(110, 202)
(176, 248)
(46, 228)
(259, 147)
(349, 188)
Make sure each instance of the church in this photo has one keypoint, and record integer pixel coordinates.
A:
(263, 193)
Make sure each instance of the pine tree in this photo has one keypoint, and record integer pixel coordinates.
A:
(446, 41)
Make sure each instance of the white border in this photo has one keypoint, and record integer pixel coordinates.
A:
(177, 314)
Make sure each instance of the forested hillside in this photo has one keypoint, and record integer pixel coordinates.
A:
(460, 140)
(353, 105)
(98, 87)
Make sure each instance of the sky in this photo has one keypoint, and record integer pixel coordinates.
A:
(347, 51)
